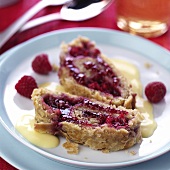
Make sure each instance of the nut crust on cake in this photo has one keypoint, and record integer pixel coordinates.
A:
(86, 121)
(85, 71)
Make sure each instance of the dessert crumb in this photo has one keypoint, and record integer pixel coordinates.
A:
(105, 151)
(72, 148)
(133, 152)
(130, 152)
(148, 65)
(55, 68)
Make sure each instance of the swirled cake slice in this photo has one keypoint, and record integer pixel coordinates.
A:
(86, 121)
(85, 71)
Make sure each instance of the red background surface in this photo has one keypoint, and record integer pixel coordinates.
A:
(9, 14)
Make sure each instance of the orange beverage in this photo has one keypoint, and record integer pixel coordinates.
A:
(148, 18)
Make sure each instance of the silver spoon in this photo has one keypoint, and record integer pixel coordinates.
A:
(70, 14)
(13, 28)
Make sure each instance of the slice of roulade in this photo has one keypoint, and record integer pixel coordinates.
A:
(86, 121)
(85, 71)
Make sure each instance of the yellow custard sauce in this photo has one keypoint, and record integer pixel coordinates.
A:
(25, 125)
(131, 72)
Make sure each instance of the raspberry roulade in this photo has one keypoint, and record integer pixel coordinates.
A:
(85, 71)
(86, 121)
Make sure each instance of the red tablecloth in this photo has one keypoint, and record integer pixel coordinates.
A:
(104, 20)
(11, 13)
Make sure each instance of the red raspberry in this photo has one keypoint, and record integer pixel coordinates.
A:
(25, 86)
(41, 64)
(155, 91)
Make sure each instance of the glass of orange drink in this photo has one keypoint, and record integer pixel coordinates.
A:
(148, 18)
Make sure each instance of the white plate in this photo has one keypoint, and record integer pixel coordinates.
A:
(27, 159)
(112, 43)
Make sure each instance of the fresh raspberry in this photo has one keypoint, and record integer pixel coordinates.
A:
(26, 85)
(41, 64)
(155, 91)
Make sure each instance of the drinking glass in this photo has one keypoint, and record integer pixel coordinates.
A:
(148, 18)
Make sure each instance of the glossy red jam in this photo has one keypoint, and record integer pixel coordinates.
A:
(97, 74)
(87, 110)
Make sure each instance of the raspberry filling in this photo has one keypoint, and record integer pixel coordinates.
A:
(85, 112)
(93, 72)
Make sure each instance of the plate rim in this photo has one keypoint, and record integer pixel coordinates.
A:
(52, 165)
(8, 53)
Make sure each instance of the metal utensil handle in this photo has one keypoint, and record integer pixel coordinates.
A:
(13, 28)
(41, 20)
